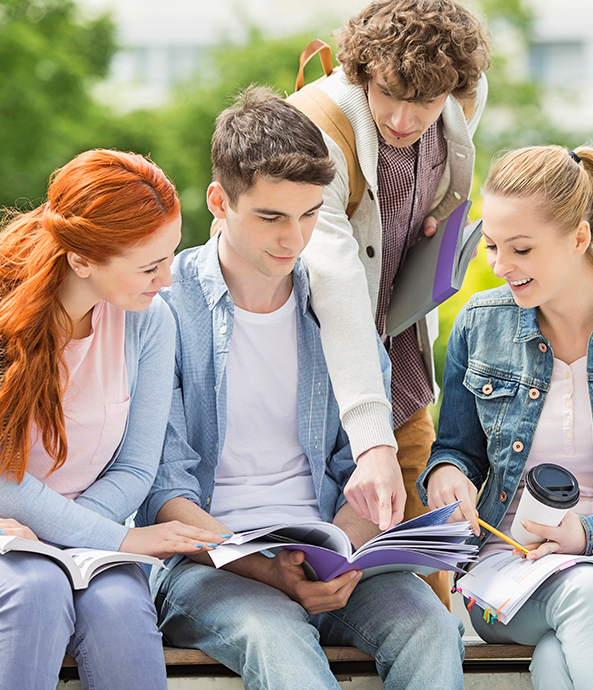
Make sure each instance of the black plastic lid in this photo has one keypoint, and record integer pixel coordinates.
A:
(552, 485)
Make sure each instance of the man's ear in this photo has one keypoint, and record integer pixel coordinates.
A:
(79, 265)
(217, 200)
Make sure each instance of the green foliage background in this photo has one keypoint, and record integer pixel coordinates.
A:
(50, 59)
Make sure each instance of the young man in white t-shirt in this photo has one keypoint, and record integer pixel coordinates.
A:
(254, 436)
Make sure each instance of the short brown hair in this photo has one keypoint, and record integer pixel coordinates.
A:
(263, 136)
(421, 48)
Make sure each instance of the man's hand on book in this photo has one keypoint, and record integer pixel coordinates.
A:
(430, 225)
(376, 488)
(447, 484)
(568, 537)
(12, 528)
(288, 576)
(168, 539)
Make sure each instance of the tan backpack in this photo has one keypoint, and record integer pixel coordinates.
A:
(321, 109)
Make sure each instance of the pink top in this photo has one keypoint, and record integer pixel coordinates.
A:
(95, 404)
(564, 436)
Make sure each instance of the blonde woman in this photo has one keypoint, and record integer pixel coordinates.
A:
(518, 391)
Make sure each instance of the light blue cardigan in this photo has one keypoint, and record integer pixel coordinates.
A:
(94, 518)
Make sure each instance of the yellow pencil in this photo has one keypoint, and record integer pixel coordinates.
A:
(508, 540)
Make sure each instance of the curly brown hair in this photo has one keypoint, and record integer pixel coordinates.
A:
(421, 48)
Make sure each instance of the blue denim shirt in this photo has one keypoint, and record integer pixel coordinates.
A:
(203, 310)
(497, 376)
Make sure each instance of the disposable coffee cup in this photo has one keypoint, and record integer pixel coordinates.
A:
(550, 492)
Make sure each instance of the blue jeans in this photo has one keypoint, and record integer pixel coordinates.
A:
(272, 642)
(110, 627)
(558, 619)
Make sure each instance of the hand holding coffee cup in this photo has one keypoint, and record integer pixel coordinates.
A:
(550, 492)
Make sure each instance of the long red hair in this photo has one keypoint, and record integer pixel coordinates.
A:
(98, 205)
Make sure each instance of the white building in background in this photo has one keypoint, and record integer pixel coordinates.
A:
(164, 42)
(561, 57)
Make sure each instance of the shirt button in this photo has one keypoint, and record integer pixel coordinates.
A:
(487, 389)
(372, 196)
(568, 419)
(503, 496)
(370, 252)
(223, 329)
(534, 394)
(482, 536)
(543, 347)
(568, 403)
(567, 374)
(228, 298)
(568, 434)
(568, 389)
(517, 446)
(457, 195)
(211, 300)
(208, 501)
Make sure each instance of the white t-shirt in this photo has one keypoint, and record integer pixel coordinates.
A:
(263, 477)
(564, 436)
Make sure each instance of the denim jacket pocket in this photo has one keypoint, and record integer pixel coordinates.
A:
(493, 396)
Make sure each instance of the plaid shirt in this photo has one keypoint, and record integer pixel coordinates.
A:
(408, 180)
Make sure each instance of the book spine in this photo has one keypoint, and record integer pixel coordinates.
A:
(442, 288)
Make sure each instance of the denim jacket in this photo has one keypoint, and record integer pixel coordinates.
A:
(497, 376)
(203, 310)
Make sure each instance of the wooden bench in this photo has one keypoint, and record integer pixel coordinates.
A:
(344, 661)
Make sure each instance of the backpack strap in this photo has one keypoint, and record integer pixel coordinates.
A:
(328, 116)
(325, 113)
(316, 47)
(468, 108)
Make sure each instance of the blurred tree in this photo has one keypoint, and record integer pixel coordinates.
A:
(48, 58)
(514, 116)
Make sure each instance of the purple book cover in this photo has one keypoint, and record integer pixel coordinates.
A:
(432, 271)
(442, 288)
(328, 564)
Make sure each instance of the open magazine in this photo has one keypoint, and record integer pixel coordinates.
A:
(502, 582)
(422, 545)
(81, 565)
(433, 270)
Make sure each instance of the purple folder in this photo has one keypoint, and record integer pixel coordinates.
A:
(433, 270)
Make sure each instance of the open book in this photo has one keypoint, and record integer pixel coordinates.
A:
(502, 582)
(422, 545)
(433, 270)
(81, 565)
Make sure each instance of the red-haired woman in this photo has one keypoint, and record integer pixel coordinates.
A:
(87, 352)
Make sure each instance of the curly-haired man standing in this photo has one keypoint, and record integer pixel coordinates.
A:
(412, 86)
